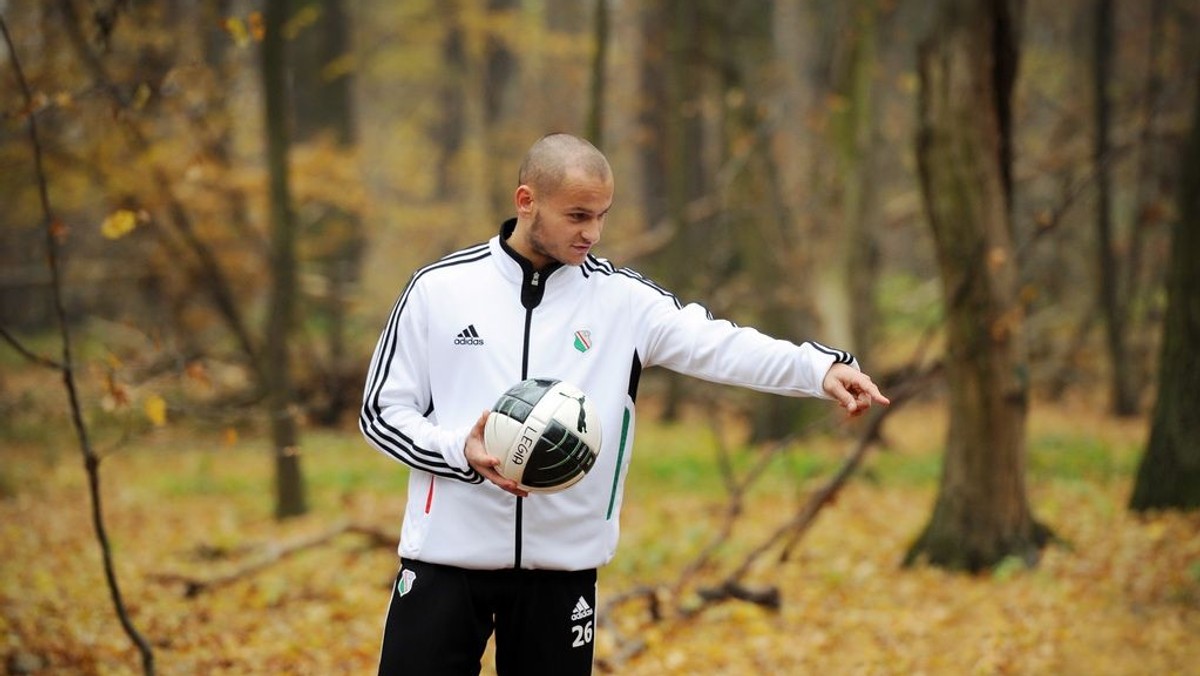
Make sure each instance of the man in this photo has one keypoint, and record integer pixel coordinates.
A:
(478, 553)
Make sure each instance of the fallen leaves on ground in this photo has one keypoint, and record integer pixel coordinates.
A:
(1120, 595)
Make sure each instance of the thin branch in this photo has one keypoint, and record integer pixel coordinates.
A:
(868, 438)
(25, 352)
(91, 461)
(195, 586)
(1050, 222)
(217, 284)
(660, 235)
(737, 488)
(732, 585)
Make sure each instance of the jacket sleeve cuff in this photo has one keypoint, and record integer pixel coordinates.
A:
(821, 364)
(455, 450)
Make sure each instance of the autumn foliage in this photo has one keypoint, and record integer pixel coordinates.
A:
(763, 157)
(1119, 595)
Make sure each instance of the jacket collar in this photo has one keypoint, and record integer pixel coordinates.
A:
(533, 282)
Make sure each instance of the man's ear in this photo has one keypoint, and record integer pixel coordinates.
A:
(523, 198)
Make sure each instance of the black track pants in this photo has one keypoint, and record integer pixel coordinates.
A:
(440, 619)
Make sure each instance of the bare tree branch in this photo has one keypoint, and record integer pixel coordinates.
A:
(91, 461)
(27, 353)
(732, 586)
(195, 586)
(1048, 222)
(737, 488)
(210, 271)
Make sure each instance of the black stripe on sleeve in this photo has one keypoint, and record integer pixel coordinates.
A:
(839, 356)
(385, 436)
(603, 267)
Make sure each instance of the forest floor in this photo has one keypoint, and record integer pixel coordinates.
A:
(1119, 595)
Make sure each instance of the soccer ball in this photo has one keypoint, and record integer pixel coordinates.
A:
(546, 434)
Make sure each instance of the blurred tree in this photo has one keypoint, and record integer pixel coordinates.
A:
(54, 232)
(1122, 389)
(1169, 474)
(858, 148)
(597, 89)
(671, 154)
(967, 70)
(828, 43)
(447, 127)
(1143, 278)
(322, 63)
(289, 481)
(501, 63)
(506, 94)
(150, 114)
(758, 225)
(652, 110)
(130, 94)
(530, 98)
(764, 126)
(475, 166)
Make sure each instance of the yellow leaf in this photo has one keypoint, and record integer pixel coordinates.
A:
(156, 410)
(342, 65)
(141, 96)
(1157, 531)
(118, 224)
(237, 30)
(301, 20)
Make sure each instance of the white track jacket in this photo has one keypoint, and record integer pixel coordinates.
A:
(475, 323)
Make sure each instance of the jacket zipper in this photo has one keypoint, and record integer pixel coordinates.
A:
(524, 375)
(531, 297)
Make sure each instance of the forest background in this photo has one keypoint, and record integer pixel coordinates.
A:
(214, 204)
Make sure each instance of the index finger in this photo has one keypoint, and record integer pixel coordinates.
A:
(873, 391)
(861, 383)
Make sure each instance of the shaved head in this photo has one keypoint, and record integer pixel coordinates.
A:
(552, 156)
(564, 193)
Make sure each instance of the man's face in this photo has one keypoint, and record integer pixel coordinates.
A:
(567, 223)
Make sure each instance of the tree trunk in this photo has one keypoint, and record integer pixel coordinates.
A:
(859, 154)
(599, 75)
(502, 82)
(323, 103)
(671, 31)
(476, 197)
(289, 482)
(535, 86)
(1148, 230)
(967, 68)
(344, 266)
(757, 223)
(216, 281)
(1169, 474)
(448, 129)
(1121, 386)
